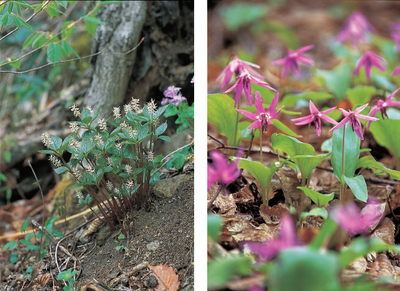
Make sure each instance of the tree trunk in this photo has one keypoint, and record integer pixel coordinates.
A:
(113, 69)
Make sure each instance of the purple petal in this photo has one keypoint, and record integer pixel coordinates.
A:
(340, 124)
(329, 110)
(304, 49)
(273, 104)
(305, 60)
(361, 108)
(391, 95)
(255, 125)
(328, 119)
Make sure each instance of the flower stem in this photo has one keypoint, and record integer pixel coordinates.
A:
(261, 153)
(342, 188)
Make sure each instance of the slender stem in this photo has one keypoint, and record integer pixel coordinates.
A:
(237, 125)
(261, 152)
(342, 189)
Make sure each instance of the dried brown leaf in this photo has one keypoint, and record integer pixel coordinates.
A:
(272, 215)
(382, 267)
(167, 279)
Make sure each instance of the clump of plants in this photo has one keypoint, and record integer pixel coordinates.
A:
(112, 159)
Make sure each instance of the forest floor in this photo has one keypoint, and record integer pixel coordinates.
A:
(164, 239)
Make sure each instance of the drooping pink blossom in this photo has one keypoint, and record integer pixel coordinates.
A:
(293, 59)
(221, 171)
(269, 249)
(355, 29)
(353, 117)
(236, 66)
(243, 83)
(263, 117)
(316, 116)
(353, 221)
(369, 59)
(382, 105)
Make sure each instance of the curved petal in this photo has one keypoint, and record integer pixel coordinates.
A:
(340, 124)
(280, 62)
(391, 95)
(318, 128)
(304, 49)
(328, 119)
(329, 110)
(313, 108)
(396, 71)
(273, 104)
(285, 69)
(255, 125)
(219, 160)
(259, 103)
(247, 92)
(305, 60)
(361, 108)
(344, 112)
(212, 176)
(238, 92)
(303, 120)
(249, 115)
(276, 114)
(295, 68)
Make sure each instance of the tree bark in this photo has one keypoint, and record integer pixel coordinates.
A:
(113, 69)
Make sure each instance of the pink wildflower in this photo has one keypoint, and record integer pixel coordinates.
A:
(395, 72)
(236, 66)
(351, 220)
(263, 117)
(368, 60)
(355, 29)
(382, 105)
(353, 118)
(243, 83)
(316, 116)
(292, 59)
(221, 171)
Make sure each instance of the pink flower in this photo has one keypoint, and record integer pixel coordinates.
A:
(395, 72)
(287, 239)
(292, 60)
(172, 92)
(263, 117)
(243, 83)
(355, 29)
(351, 220)
(315, 117)
(368, 60)
(353, 118)
(396, 37)
(382, 105)
(221, 171)
(236, 66)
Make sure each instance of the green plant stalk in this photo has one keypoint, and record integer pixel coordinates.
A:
(342, 188)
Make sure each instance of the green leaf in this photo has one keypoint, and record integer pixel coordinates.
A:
(20, 22)
(24, 225)
(384, 132)
(61, 170)
(56, 142)
(6, 19)
(262, 174)
(164, 137)
(54, 52)
(351, 153)
(282, 127)
(62, 3)
(12, 62)
(91, 27)
(326, 146)
(279, 29)
(290, 100)
(370, 163)
(221, 113)
(328, 229)
(308, 163)
(40, 40)
(361, 94)
(360, 247)
(336, 80)
(14, 256)
(318, 198)
(10, 245)
(239, 14)
(92, 19)
(160, 130)
(87, 145)
(358, 187)
(304, 269)
(221, 270)
(67, 31)
(214, 226)
(291, 145)
(315, 212)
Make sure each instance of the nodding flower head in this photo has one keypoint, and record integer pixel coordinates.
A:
(102, 123)
(56, 162)
(46, 140)
(128, 169)
(75, 110)
(151, 106)
(127, 108)
(73, 127)
(117, 113)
